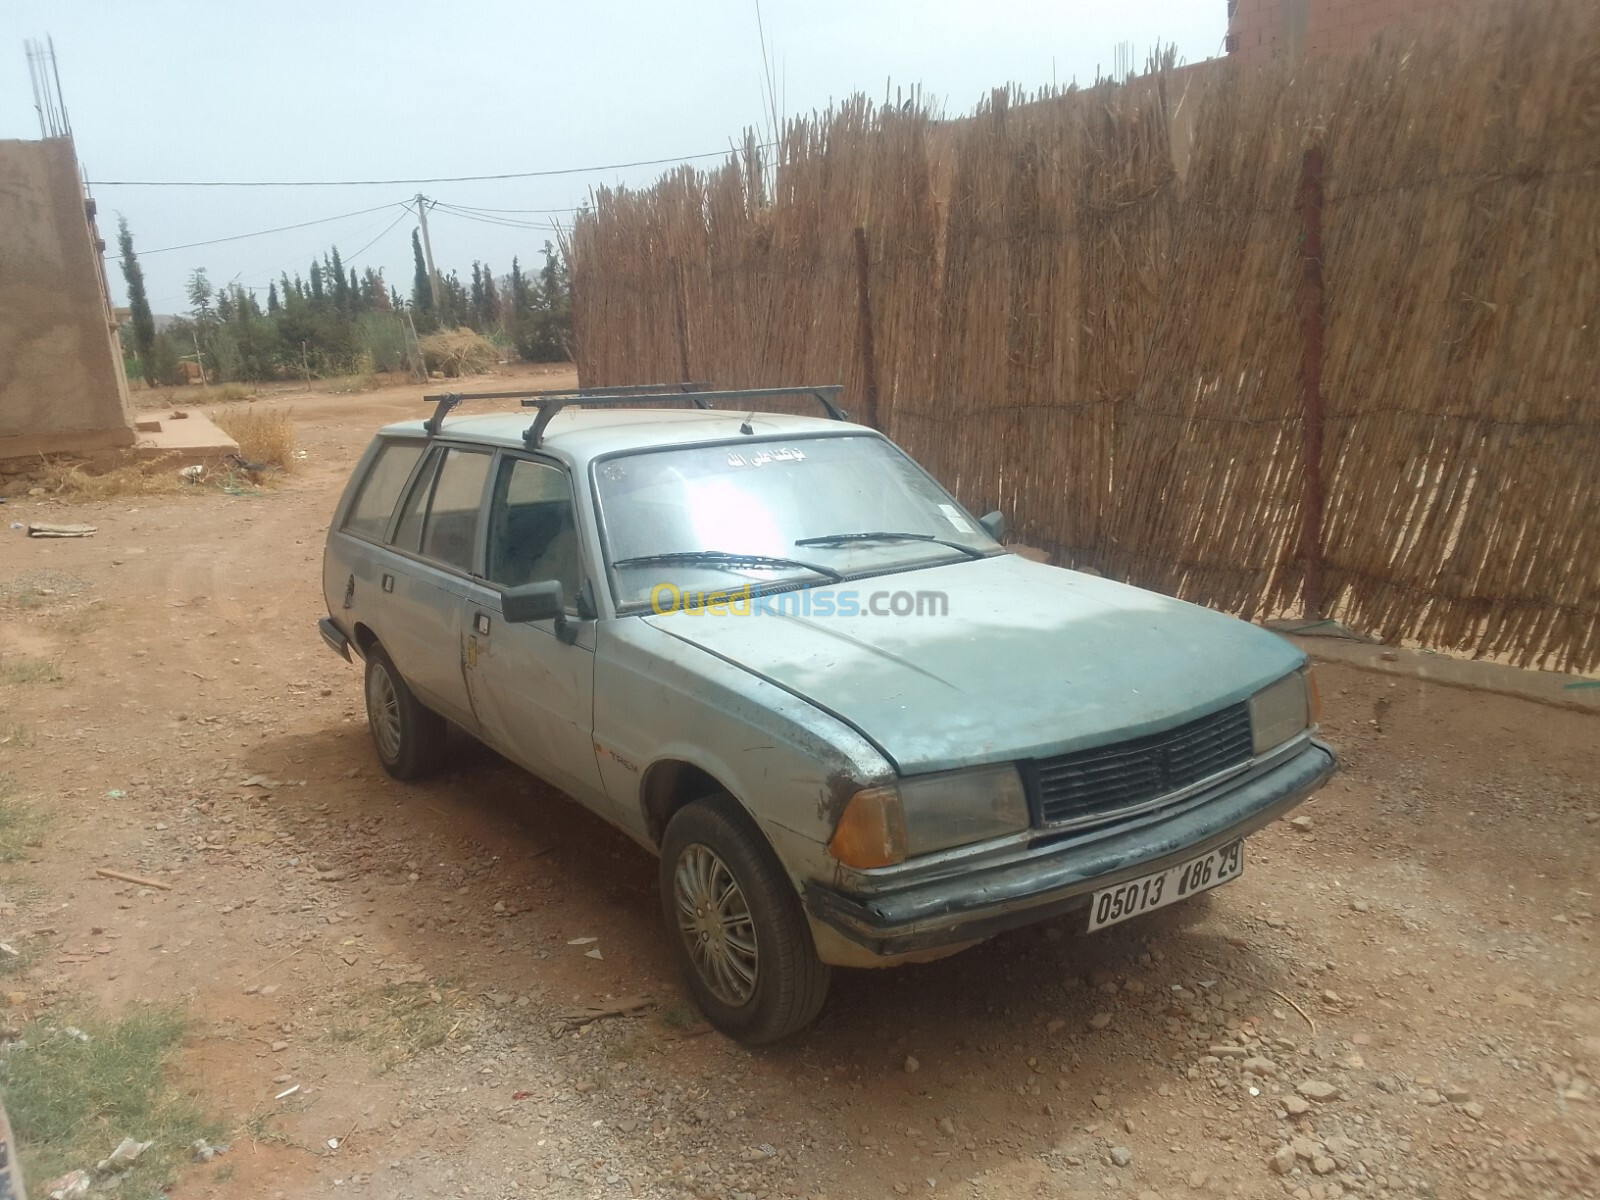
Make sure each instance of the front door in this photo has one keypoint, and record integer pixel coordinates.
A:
(532, 685)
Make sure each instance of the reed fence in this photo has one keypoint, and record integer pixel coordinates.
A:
(1316, 339)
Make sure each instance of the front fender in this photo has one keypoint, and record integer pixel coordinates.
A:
(793, 767)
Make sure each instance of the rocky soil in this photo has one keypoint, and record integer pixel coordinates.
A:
(392, 984)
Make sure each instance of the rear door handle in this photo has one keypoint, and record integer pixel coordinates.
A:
(480, 623)
(388, 582)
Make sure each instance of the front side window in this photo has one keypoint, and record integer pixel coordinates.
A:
(441, 516)
(532, 534)
(789, 512)
(375, 500)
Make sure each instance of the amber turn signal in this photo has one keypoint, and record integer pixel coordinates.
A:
(871, 831)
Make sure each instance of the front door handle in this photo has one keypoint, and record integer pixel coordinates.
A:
(480, 623)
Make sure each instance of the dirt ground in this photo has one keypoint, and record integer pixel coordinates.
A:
(1399, 1000)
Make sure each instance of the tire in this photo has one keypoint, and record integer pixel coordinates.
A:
(409, 739)
(767, 984)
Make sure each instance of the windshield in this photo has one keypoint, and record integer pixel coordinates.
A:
(780, 512)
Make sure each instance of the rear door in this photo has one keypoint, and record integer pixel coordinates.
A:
(532, 685)
(357, 554)
(425, 579)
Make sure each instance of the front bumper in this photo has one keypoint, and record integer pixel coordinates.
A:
(988, 900)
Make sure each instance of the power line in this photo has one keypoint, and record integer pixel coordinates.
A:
(280, 229)
(477, 209)
(382, 235)
(646, 162)
(503, 222)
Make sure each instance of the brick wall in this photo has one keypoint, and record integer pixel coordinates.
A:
(1262, 29)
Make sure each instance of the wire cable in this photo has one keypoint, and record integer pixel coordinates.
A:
(450, 210)
(281, 229)
(477, 209)
(644, 162)
(382, 235)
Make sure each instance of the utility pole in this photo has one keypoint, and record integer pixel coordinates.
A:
(198, 358)
(427, 250)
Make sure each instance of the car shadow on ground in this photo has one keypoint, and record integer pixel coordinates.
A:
(583, 877)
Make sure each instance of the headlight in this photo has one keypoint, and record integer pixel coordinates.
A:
(1283, 710)
(885, 825)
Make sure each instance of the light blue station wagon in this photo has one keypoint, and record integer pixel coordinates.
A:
(772, 649)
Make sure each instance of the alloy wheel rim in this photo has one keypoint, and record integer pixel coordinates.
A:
(715, 923)
(383, 713)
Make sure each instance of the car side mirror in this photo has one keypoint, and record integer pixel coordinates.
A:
(544, 601)
(994, 524)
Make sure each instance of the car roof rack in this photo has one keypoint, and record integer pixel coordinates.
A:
(552, 401)
(445, 402)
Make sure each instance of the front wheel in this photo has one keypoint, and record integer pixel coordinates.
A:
(737, 930)
(409, 738)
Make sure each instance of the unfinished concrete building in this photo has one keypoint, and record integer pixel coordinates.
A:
(62, 386)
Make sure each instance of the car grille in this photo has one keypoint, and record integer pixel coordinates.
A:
(1107, 779)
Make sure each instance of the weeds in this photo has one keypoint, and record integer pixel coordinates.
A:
(399, 1021)
(225, 393)
(15, 735)
(17, 669)
(680, 1016)
(129, 477)
(19, 962)
(73, 1095)
(20, 828)
(265, 436)
(78, 621)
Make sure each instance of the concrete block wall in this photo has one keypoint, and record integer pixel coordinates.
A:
(62, 387)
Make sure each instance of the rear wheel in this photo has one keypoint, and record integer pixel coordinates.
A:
(737, 929)
(409, 738)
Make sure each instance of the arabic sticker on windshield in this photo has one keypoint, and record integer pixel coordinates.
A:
(953, 515)
(762, 457)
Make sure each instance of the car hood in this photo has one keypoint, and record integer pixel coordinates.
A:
(1028, 660)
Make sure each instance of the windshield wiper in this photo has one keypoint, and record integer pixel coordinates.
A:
(839, 539)
(725, 558)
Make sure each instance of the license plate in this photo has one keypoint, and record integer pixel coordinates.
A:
(1166, 887)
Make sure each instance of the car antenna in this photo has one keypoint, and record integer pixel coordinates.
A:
(745, 427)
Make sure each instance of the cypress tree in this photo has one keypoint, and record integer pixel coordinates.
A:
(341, 286)
(421, 293)
(491, 298)
(143, 321)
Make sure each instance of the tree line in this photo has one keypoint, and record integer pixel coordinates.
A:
(338, 320)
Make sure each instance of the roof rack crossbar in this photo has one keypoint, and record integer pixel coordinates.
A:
(552, 400)
(445, 402)
(549, 405)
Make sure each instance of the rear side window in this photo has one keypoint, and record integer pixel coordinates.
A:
(374, 503)
(441, 517)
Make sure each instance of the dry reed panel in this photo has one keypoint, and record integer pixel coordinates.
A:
(1066, 331)
(1209, 479)
(622, 298)
(902, 221)
(1463, 257)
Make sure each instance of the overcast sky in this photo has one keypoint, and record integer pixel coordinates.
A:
(357, 89)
